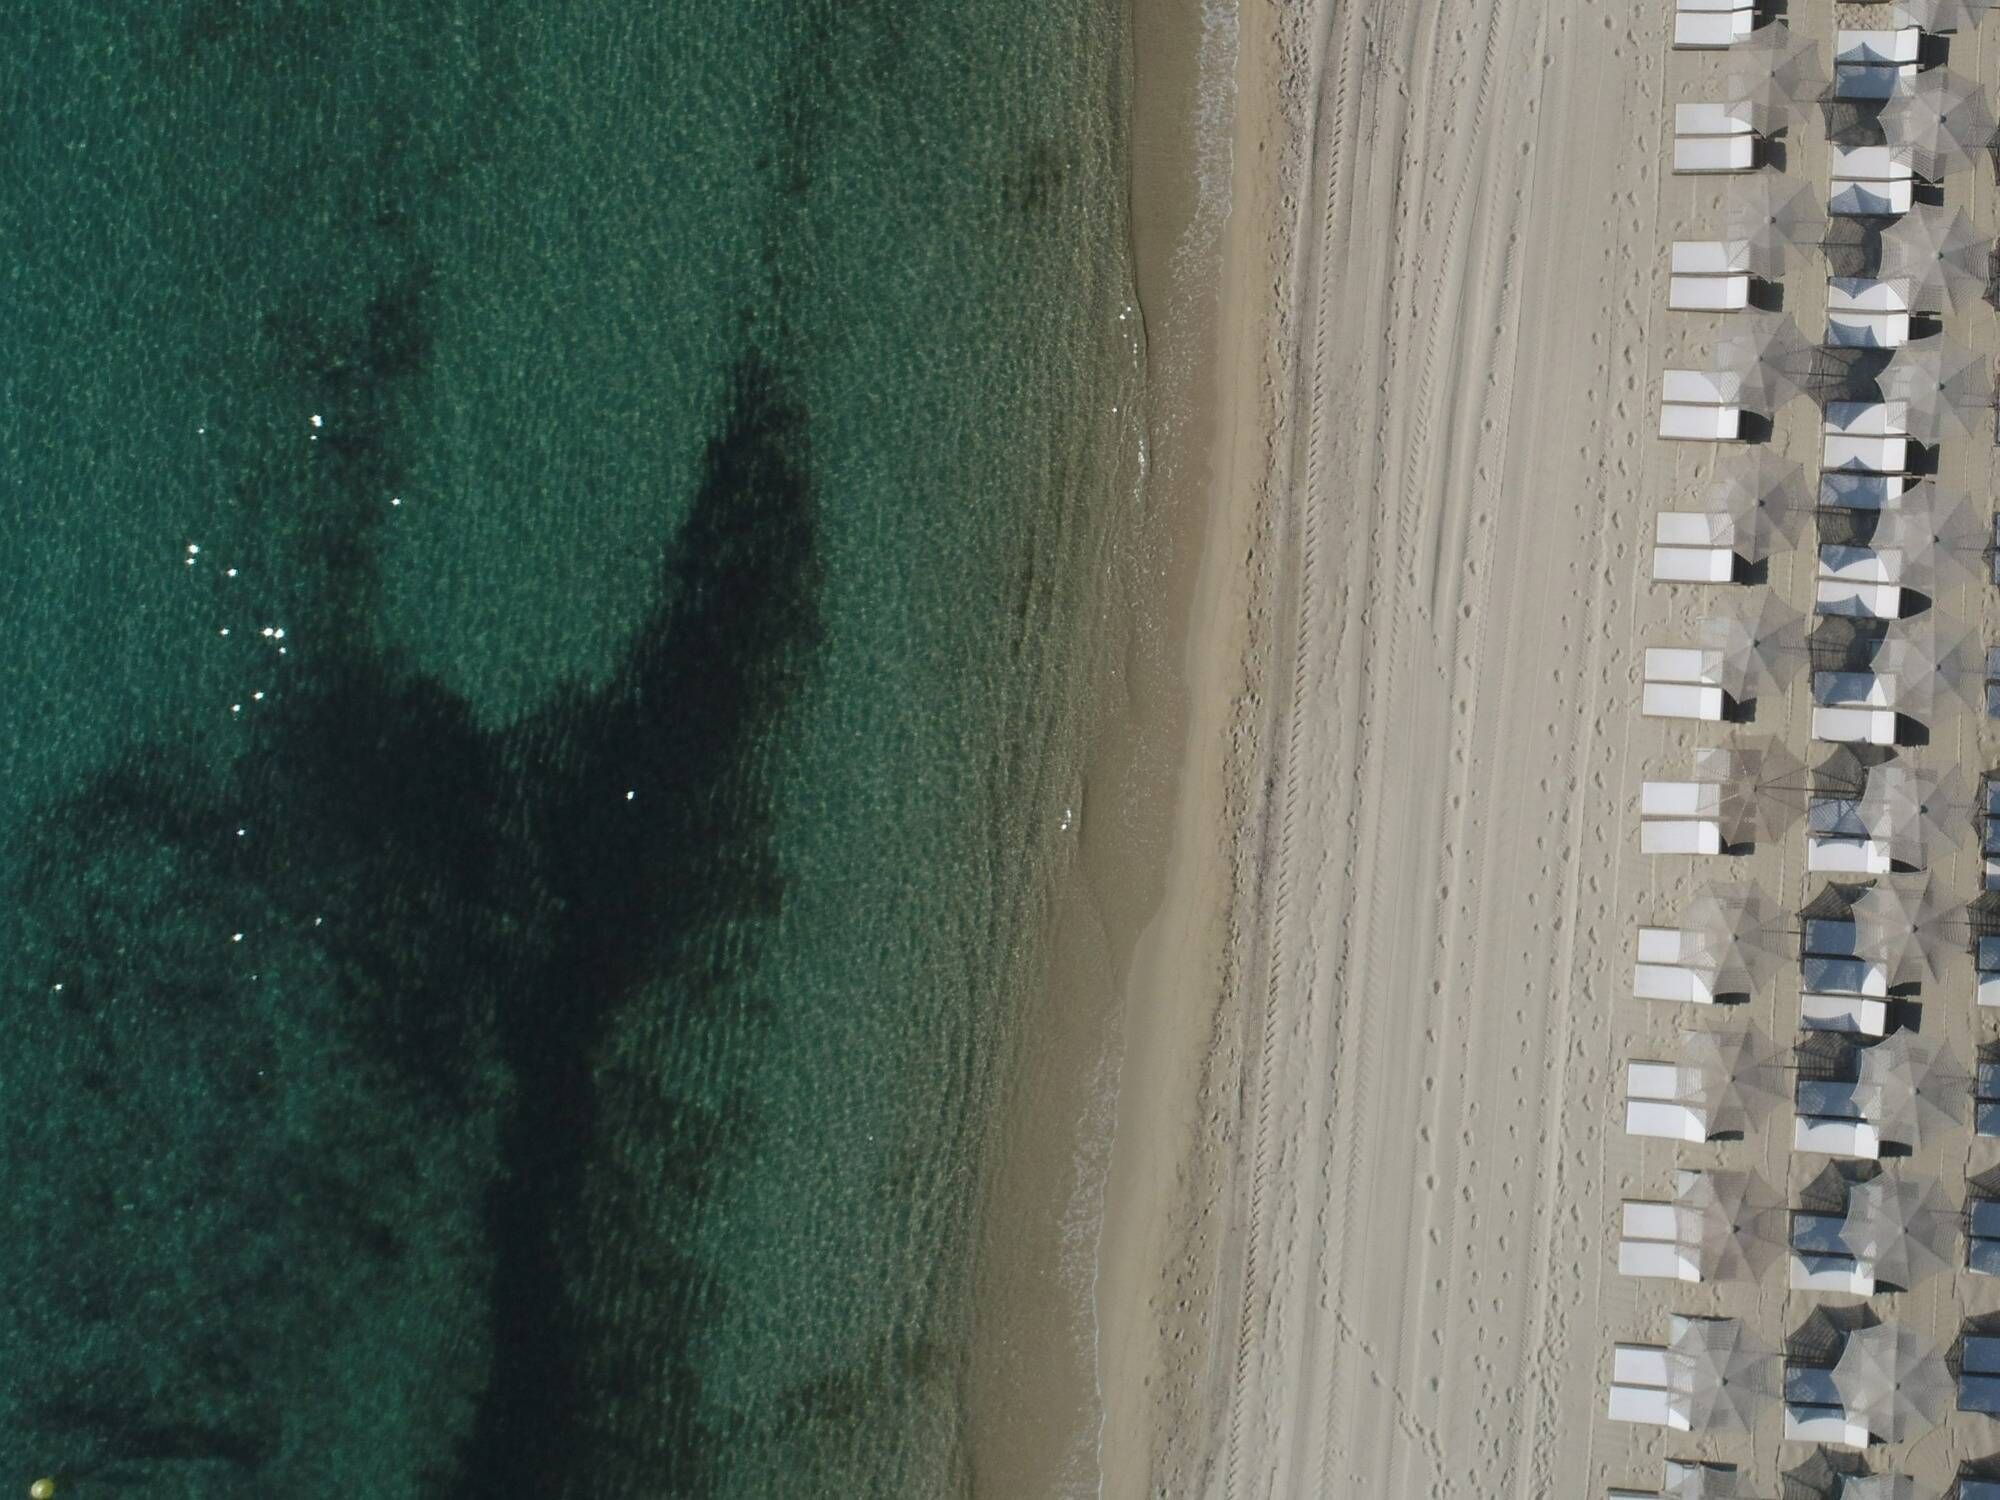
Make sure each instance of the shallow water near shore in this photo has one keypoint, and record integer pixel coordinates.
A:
(558, 559)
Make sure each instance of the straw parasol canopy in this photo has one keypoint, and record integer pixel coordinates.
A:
(1936, 255)
(1941, 536)
(1728, 1076)
(1774, 70)
(1909, 927)
(1714, 1374)
(1909, 1089)
(1937, 665)
(1741, 933)
(1902, 1226)
(1940, 15)
(1689, 1479)
(1844, 772)
(1821, 1476)
(1937, 122)
(1729, 1223)
(1774, 213)
(1766, 351)
(1762, 640)
(1919, 814)
(1759, 782)
(1764, 498)
(1892, 1381)
(1877, 1487)
(1944, 385)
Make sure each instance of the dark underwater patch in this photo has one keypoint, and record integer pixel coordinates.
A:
(380, 1124)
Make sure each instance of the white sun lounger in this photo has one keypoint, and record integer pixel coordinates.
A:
(1865, 82)
(1679, 799)
(1708, 293)
(1856, 1139)
(1663, 1121)
(1693, 564)
(1670, 982)
(1712, 118)
(1666, 945)
(1640, 1364)
(1683, 664)
(1823, 1424)
(1854, 1014)
(1870, 199)
(1854, 689)
(1868, 164)
(1680, 836)
(1844, 976)
(1700, 387)
(1861, 491)
(1877, 48)
(1868, 455)
(1681, 700)
(1647, 1404)
(1870, 601)
(1654, 1258)
(1709, 258)
(1701, 424)
(1690, 528)
(1867, 418)
(1696, 155)
(1837, 856)
(1858, 330)
(1707, 30)
(1639, 1378)
(1648, 1219)
(1854, 726)
(1861, 564)
(1860, 294)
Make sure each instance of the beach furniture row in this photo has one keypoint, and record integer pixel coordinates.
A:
(1706, 25)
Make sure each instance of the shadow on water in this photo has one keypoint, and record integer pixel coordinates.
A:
(235, 1153)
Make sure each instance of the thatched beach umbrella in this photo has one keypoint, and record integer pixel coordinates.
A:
(1892, 1381)
(1821, 1476)
(1908, 925)
(1902, 1226)
(1729, 1223)
(1740, 932)
(1771, 357)
(1692, 1480)
(1937, 122)
(1764, 498)
(1774, 70)
(1758, 782)
(1775, 214)
(1939, 532)
(1940, 15)
(1936, 255)
(1728, 1076)
(1762, 641)
(1947, 388)
(1937, 664)
(1715, 1374)
(1910, 1090)
(1919, 814)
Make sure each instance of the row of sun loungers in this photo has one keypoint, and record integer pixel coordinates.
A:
(1662, 971)
(1708, 275)
(1814, 1411)
(1679, 1478)
(1868, 181)
(1713, 137)
(1682, 683)
(1865, 314)
(1700, 406)
(1705, 25)
(1680, 817)
(1691, 546)
(1642, 1387)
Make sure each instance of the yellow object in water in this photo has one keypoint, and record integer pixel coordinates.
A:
(42, 1489)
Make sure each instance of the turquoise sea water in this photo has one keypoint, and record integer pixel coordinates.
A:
(557, 552)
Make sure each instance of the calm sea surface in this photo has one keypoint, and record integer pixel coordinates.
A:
(555, 553)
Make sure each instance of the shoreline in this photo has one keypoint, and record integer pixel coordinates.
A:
(1073, 1263)
(1163, 1241)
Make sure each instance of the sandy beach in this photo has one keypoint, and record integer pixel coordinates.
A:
(1359, 1236)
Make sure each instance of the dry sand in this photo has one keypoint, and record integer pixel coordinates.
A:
(1368, 1156)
